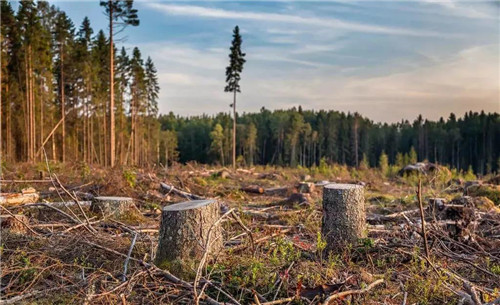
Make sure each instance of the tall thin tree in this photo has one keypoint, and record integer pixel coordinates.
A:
(120, 14)
(236, 61)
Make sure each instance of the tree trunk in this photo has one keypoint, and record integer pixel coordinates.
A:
(344, 218)
(186, 229)
(62, 109)
(234, 130)
(111, 91)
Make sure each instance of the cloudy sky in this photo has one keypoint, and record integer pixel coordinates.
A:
(387, 60)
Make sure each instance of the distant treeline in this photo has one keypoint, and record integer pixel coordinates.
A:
(303, 137)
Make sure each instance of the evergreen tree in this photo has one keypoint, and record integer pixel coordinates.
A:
(63, 36)
(236, 62)
(383, 163)
(217, 136)
(120, 14)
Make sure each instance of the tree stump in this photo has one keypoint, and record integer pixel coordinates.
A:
(112, 206)
(184, 230)
(344, 219)
(305, 187)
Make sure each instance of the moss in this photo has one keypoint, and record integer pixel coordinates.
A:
(184, 269)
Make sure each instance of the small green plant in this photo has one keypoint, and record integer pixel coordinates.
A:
(323, 167)
(495, 269)
(320, 246)
(130, 176)
(469, 175)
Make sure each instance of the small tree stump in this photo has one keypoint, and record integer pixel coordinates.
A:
(184, 231)
(112, 206)
(306, 187)
(344, 219)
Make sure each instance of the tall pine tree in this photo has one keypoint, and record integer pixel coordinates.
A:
(120, 14)
(236, 62)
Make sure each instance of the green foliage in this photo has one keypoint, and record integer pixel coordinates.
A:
(284, 253)
(364, 164)
(469, 175)
(320, 245)
(383, 163)
(217, 146)
(323, 167)
(236, 62)
(130, 176)
(491, 192)
(412, 156)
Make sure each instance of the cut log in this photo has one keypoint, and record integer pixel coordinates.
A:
(184, 231)
(112, 206)
(344, 219)
(28, 195)
(276, 191)
(305, 187)
(253, 189)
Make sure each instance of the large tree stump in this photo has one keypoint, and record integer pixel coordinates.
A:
(344, 218)
(112, 206)
(185, 230)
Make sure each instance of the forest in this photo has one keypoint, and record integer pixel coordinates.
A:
(55, 94)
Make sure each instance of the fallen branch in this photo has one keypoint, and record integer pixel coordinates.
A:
(125, 265)
(342, 294)
(171, 189)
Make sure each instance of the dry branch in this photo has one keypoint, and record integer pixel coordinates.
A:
(342, 294)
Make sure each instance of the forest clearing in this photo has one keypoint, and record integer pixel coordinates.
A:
(273, 252)
(358, 161)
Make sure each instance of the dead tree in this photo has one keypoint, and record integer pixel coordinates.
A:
(185, 229)
(344, 218)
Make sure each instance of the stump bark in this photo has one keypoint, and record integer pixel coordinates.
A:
(112, 206)
(184, 231)
(344, 219)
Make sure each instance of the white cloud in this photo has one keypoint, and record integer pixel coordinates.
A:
(479, 9)
(206, 12)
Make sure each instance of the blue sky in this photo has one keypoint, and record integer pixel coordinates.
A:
(388, 60)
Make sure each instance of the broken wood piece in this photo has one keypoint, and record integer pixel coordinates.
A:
(276, 191)
(253, 189)
(344, 219)
(5, 181)
(112, 206)
(165, 188)
(184, 230)
(27, 195)
(343, 294)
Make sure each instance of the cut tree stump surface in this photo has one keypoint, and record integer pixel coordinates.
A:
(344, 219)
(184, 231)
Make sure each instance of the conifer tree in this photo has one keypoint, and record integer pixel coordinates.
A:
(120, 14)
(236, 62)
(63, 36)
